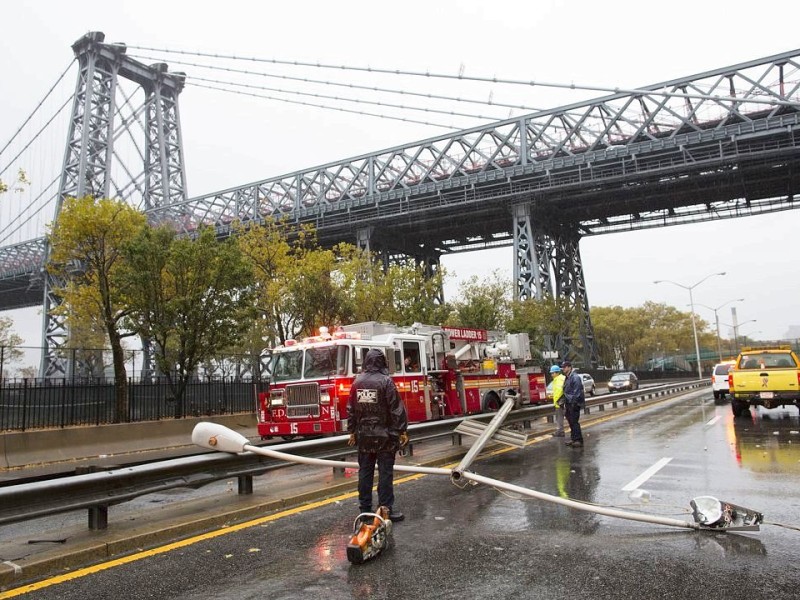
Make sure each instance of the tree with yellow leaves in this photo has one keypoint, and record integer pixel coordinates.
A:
(87, 252)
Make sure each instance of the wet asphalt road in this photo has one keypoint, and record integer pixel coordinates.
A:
(479, 543)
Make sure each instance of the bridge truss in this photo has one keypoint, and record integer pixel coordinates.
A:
(719, 144)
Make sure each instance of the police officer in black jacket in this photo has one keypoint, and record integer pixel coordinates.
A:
(575, 401)
(377, 423)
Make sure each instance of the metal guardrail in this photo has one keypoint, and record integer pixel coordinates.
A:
(97, 491)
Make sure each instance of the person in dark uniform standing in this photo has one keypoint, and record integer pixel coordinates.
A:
(377, 423)
(574, 401)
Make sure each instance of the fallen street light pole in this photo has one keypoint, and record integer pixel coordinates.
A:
(483, 439)
(709, 513)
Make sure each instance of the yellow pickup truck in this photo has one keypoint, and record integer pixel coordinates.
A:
(768, 376)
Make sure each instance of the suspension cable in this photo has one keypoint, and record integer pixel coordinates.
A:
(463, 77)
(337, 108)
(327, 97)
(118, 131)
(38, 133)
(354, 86)
(30, 215)
(50, 91)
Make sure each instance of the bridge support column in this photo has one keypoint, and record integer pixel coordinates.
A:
(363, 237)
(86, 170)
(165, 174)
(532, 256)
(571, 285)
(90, 154)
(547, 264)
(432, 266)
(147, 360)
(525, 260)
(423, 258)
(533, 251)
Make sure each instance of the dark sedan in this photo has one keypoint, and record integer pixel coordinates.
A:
(623, 382)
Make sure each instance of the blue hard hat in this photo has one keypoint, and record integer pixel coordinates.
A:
(555, 369)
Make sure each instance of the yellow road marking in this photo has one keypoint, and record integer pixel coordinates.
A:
(45, 583)
(183, 543)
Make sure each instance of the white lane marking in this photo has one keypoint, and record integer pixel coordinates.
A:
(647, 474)
(712, 421)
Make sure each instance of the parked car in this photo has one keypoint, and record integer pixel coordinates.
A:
(623, 382)
(588, 383)
(719, 379)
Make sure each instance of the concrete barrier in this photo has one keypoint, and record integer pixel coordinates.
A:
(47, 446)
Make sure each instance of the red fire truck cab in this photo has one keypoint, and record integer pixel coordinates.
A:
(439, 372)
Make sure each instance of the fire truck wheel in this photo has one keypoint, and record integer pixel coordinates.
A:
(492, 402)
(288, 438)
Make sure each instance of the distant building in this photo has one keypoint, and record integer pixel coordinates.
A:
(792, 333)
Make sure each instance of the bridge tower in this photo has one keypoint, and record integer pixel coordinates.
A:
(547, 263)
(90, 161)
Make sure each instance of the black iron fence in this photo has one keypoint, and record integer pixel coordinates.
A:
(96, 363)
(48, 403)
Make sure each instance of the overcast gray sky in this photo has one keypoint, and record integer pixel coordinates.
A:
(232, 140)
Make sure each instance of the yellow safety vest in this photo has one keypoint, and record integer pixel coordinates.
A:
(558, 388)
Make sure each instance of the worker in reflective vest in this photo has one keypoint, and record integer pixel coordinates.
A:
(558, 399)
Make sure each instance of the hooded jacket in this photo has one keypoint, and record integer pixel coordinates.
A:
(376, 413)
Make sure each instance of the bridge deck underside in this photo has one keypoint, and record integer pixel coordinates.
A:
(20, 291)
(604, 198)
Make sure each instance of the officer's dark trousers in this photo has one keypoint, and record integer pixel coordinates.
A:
(366, 479)
(573, 414)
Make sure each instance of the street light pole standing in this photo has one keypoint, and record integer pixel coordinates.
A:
(694, 324)
(736, 331)
(716, 320)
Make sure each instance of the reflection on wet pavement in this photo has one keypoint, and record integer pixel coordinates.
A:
(768, 442)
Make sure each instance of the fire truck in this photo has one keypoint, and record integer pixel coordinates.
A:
(439, 372)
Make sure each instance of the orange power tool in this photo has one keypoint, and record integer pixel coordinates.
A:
(371, 536)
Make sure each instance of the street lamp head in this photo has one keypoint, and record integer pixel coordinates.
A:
(715, 309)
(689, 288)
(707, 277)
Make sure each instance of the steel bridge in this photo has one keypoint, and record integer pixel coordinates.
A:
(714, 145)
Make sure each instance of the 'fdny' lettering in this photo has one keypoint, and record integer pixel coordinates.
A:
(367, 396)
